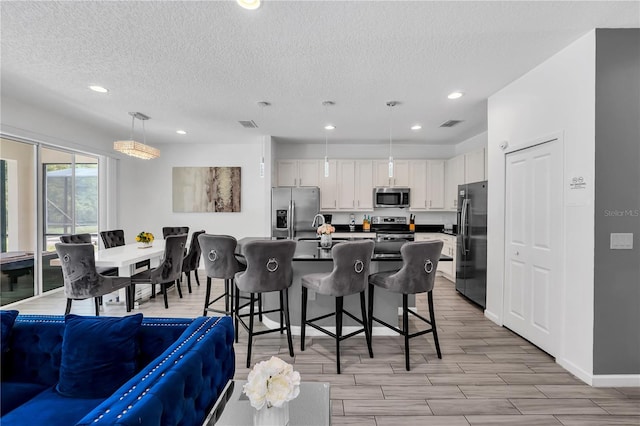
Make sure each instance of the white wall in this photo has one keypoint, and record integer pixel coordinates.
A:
(475, 142)
(338, 150)
(145, 196)
(555, 98)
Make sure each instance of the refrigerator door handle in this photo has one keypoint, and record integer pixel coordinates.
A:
(465, 225)
(293, 219)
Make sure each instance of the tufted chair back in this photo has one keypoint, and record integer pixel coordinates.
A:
(419, 264)
(268, 266)
(219, 255)
(174, 230)
(114, 238)
(75, 238)
(192, 259)
(350, 275)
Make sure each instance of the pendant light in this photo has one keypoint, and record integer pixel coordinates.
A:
(262, 105)
(327, 127)
(391, 104)
(134, 148)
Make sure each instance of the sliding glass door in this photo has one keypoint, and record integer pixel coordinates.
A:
(46, 192)
(70, 194)
(19, 212)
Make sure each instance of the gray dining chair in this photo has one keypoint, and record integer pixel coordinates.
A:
(220, 261)
(86, 239)
(268, 269)
(82, 280)
(174, 230)
(417, 275)
(191, 261)
(115, 238)
(351, 262)
(169, 270)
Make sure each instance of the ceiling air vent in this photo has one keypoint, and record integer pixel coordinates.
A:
(451, 123)
(248, 124)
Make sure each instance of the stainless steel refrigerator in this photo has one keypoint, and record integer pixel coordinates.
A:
(292, 211)
(471, 266)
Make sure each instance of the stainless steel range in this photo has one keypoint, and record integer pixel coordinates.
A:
(390, 228)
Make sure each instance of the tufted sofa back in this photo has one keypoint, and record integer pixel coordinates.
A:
(36, 344)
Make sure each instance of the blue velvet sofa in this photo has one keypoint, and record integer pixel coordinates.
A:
(181, 367)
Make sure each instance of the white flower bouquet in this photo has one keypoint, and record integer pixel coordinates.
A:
(272, 383)
(326, 229)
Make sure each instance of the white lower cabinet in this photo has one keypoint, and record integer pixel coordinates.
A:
(446, 268)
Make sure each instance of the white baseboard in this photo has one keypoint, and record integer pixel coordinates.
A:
(492, 317)
(616, 380)
(601, 380)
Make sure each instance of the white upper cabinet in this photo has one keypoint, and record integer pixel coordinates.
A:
(435, 185)
(329, 187)
(364, 185)
(426, 180)
(355, 185)
(474, 166)
(454, 176)
(400, 173)
(346, 184)
(298, 172)
(418, 184)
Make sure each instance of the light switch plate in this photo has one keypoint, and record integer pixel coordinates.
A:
(621, 241)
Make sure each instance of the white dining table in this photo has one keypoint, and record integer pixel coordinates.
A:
(125, 257)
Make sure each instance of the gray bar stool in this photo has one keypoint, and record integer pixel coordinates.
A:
(417, 275)
(81, 280)
(220, 262)
(268, 269)
(351, 261)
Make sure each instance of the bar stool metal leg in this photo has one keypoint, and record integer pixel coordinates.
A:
(251, 310)
(303, 319)
(367, 332)
(405, 330)
(432, 316)
(287, 320)
(339, 304)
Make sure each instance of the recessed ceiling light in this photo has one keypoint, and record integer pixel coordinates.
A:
(455, 95)
(416, 127)
(249, 4)
(181, 132)
(98, 89)
(329, 127)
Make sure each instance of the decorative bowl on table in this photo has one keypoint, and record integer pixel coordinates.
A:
(144, 239)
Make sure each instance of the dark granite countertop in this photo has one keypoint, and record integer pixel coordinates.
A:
(309, 250)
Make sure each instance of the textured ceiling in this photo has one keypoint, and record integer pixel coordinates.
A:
(203, 66)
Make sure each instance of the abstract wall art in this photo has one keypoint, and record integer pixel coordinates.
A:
(206, 189)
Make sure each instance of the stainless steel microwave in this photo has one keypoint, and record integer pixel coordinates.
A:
(385, 196)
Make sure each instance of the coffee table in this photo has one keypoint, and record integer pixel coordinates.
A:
(311, 408)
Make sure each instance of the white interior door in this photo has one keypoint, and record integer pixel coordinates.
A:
(533, 226)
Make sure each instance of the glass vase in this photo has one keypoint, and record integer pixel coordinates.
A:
(273, 416)
(325, 241)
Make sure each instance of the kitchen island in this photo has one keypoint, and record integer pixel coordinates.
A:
(310, 258)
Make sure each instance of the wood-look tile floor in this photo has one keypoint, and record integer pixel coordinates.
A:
(487, 375)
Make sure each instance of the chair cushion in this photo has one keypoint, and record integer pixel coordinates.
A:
(313, 281)
(380, 279)
(98, 355)
(7, 318)
(14, 394)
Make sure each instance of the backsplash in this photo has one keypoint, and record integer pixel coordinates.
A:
(422, 218)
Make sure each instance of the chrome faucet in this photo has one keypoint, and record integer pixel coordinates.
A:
(320, 218)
